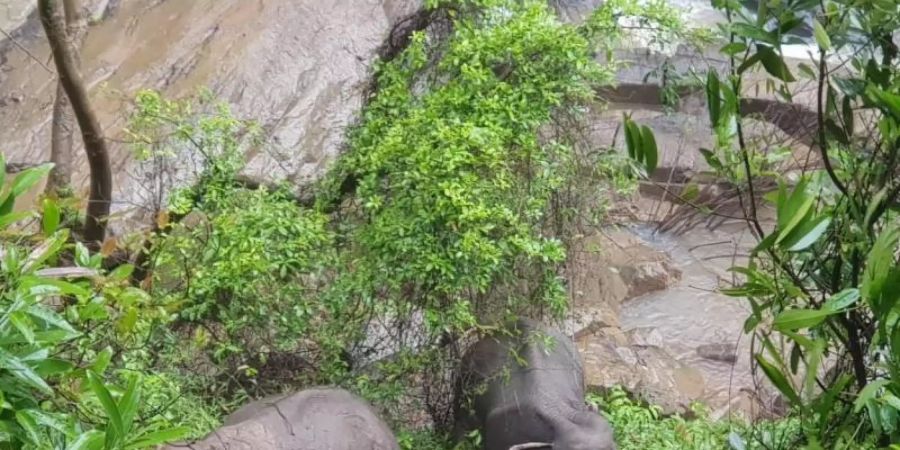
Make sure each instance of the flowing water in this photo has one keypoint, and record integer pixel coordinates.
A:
(693, 315)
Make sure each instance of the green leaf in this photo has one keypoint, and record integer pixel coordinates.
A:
(795, 319)
(116, 432)
(874, 204)
(813, 361)
(766, 243)
(783, 201)
(713, 99)
(25, 180)
(50, 317)
(650, 152)
(868, 393)
(778, 379)
(6, 204)
(807, 234)
(30, 426)
(774, 64)
(788, 205)
(762, 14)
(50, 247)
(755, 33)
(888, 101)
(128, 320)
(733, 48)
(38, 285)
(82, 255)
(11, 218)
(842, 300)
(633, 140)
(24, 373)
(821, 36)
(48, 420)
(128, 404)
(749, 63)
(891, 400)
(50, 221)
(798, 216)
(122, 272)
(2, 170)
(711, 158)
(847, 114)
(102, 361)
(158, 438)
(800, 339)
(21, 322)
(51, 366)
(880, 275)
(90, 440)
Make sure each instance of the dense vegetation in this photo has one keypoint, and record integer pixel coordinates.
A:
(823, 282)
(452, 208)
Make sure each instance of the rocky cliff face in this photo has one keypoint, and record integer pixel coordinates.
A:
(299, 67)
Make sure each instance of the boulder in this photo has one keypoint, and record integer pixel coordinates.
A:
(575, 11)
(636, 361)
(300, 67)
(313, 419)
(607, 269)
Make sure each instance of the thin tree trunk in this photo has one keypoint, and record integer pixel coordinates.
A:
(94, 144)
(61, 144)
(60, 179)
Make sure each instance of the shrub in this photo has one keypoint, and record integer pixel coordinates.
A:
(640, 426)
(823, 285)
(67, 376)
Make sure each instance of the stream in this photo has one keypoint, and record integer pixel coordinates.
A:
(693, 315)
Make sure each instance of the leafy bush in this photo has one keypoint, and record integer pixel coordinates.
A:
(470, 175)
(467, 175)
(61, 387)
(824, 282)
(639, 426)
(240, 267)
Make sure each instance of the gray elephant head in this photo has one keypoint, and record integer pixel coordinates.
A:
(587, 430)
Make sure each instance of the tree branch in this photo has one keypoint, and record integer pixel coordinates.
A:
(100, 198)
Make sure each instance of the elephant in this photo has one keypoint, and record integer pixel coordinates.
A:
(319, 418)
(525, 390)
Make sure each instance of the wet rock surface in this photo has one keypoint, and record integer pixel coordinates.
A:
(666, 334)
(301, 68)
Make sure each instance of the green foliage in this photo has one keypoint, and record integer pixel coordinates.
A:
(240, 267)
(56, 389)
(638, 426)
(470, 175)
(454, 182)
(825, 280)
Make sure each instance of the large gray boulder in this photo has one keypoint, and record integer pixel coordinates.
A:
(526, 390)
(302, 68)
(314, 419)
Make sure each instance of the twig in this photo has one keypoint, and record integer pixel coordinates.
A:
(25, 50)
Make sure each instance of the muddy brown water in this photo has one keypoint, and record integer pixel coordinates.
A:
(694, 315)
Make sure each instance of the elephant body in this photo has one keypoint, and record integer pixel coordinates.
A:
(313, 419)
(527, 387)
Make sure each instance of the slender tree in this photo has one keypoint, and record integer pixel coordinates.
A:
(94, 144)
(61, 151)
